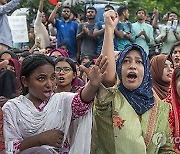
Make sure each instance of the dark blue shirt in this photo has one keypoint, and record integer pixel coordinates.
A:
(66, 33)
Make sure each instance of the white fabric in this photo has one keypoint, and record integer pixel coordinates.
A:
(40, 31)
(23, 120)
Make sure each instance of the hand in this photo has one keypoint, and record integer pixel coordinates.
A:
(85, 30)
(128, 35)
(3, 64)
(38, 42)
(96, 73)
(52, 137)
(3, 100)
(143, 32)
(156, 12)
(174, 31)
(110, 19)
(167, 31)
(58, 4)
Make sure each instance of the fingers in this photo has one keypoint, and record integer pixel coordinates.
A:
(104, 66)
(98, 61)
(84, 69)
(102, 62)
(3, 63)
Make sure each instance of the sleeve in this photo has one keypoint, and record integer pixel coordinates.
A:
(133, 34)
(4, 9)
(76, 27)
(57, 23)
(119, 26)
(38, 19)
(11, 135)
(151, 37)
(98, 26)
(80, 28)
(105, 95)
(161, 35)
(79, 108)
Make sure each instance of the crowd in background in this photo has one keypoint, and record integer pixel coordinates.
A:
(74, 47)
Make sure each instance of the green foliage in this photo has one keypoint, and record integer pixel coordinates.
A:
(162, 5)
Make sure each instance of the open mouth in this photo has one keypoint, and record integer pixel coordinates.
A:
(132, 76)
(48, 93)
(61, 79)
(177, 60)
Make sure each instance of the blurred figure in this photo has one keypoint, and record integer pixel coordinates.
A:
(175, 54)
(66, 30)
(143, 31)
(170, 33)
(66, 76)
(40, 30)
(87, 43)
(5, 31)
(161, 68)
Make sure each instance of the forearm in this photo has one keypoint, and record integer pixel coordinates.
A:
(108, 50)
(164, 38)
(147, 38)
(53, 14)
(41, 5)
(89, 92)
(80, 35)
(138, 35)
(98, 32)
(154, 22)
(119, 33)
(30, 142)
(177, 36)
(4, 9)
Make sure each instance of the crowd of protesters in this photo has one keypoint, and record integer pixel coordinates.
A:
(80, 86)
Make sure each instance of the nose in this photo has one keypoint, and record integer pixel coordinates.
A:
(49, 83)
(132, 65)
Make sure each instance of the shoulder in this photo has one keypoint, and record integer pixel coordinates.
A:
(12, 103)
(59, 21)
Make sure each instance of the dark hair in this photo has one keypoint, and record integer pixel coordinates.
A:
(172, 12)
(66, 7)
(31, 63)
(13, 55)
(92, 8)
(62, 44)
(140, 10)
(176, 73)
(109, 6)
(121, 9)
(25, 54)
(85, 57)
(69, 61)
(174, 46)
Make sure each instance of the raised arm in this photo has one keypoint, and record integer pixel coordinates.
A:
(111, 20)
(4, 9)
(53, 14)
(38, 20)
(41, 3)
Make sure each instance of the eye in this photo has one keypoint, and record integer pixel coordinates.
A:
(175, 52)
(57, 69)
(53, 76)
(41, 79)
(139, 62)
(126, 61)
